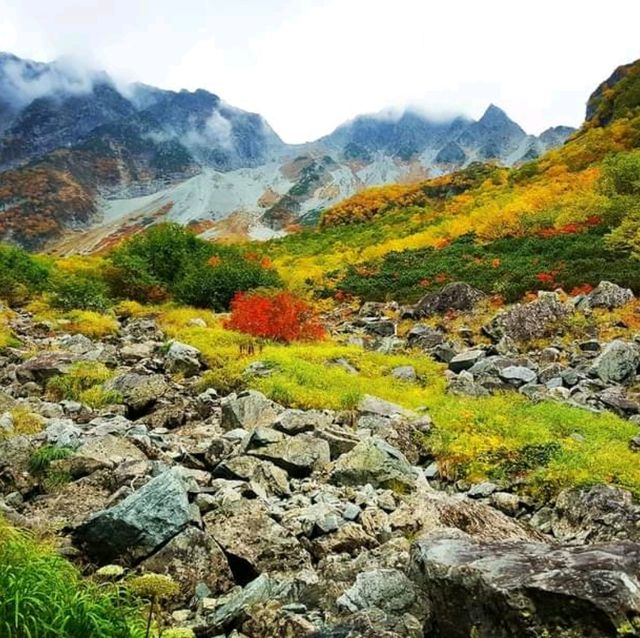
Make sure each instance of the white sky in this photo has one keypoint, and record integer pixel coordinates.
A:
(308, 65)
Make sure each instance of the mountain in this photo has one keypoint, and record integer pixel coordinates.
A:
(80, 153)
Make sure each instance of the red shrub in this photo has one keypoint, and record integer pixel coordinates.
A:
(281, 317)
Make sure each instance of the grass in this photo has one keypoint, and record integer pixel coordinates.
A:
(24, 422)
(44, 596)
(83, 383)
(92, 324)
(548, 445)
(544, 446)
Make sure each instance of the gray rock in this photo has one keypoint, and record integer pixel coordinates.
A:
(139, 391)
(465, 360)
(599, 513)
(527, 589)
(299, 455)
(386, 589)
(183, 359)
(248, 410)
(454, 296)
(140, 524)
(518, 375)
(618, 362)
(404, 373)
(482, 490)
(607, 295)
(376, 462)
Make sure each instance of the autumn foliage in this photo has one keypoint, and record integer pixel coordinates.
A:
(281, 317)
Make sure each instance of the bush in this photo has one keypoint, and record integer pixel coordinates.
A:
(281, 317)
(155, 260)
(168, 259)
(44, 596)
(21, 274)
(73, 292)
(510, 267)
(215, 283)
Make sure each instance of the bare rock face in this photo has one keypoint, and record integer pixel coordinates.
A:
(600, 513)
(454, 296)
(515, 590)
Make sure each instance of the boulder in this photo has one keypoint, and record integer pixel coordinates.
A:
(528, 321)
(139, 391)
(454, 296)
(192, 558)
(607, 295)
(248, 410)
(137, 526)
(299, 455)
(253, 542)
(386, 589)
(182, 359)
(599, 513)
(44, 366)
(527, 589)
(376, 462)
(618, 362)
(465, 360)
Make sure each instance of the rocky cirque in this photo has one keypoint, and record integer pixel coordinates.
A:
(285, 523)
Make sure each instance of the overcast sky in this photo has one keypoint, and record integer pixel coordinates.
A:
(308, 65)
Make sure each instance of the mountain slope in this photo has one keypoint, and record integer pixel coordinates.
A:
(392, 237)
(109, 146)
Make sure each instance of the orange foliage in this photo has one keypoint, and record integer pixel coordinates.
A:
(281, 317)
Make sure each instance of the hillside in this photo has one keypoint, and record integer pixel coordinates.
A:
(476, 223)
(418, 420)
(79, 152)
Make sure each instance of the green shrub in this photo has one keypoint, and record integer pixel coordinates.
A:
(21, 274)
(214, 286)
(80, 292)
(43, 596)
(510, 267)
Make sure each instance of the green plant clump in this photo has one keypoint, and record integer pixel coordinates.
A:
(43, 596)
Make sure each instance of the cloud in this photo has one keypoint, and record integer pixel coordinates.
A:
(26, 81)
